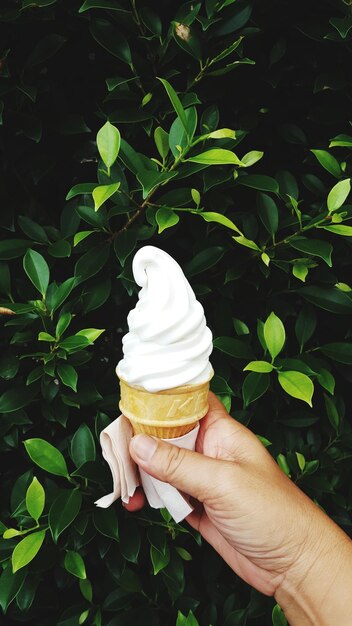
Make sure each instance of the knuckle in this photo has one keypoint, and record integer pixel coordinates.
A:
(172, 462)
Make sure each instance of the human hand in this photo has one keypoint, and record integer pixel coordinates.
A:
(267, 530)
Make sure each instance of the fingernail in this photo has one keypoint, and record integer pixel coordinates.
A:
(144, 447)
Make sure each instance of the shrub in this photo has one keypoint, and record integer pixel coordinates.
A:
(219, 132)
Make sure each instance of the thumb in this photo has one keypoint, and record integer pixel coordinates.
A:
(197, 475)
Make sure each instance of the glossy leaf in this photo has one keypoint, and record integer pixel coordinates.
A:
(108, 142)
(254, 386)
(37, 270)
(10, 585)
(64, 511)
(165, 218)
(176, 103)
(274, 334)
(216, 156)
(262, 367)
(82, 446)
(68, 375)
(46, 456)
(74, 564)
(315, 247)
(35, 499)
(260, 182)
(328, 161)
(102, 193)
(210, 216)
(338, 194)
(27, 549)
(297, 385)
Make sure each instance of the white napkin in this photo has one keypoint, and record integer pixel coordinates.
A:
(114, 440)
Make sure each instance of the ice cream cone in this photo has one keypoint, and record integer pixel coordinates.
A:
(165, 414)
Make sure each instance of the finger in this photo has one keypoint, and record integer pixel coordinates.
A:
(136, 502)
(193, 473)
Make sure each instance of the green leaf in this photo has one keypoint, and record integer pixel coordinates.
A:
(282, 463)
(300, 271)
(340, 229)
(331, 299)
(111, 5)
(251, 158)
(64, 511)
(107, 36)
(130, 541)
(46, 337)
(124, 245)
(35, 499)
(234, 347)
(254, 386)
(91, 334)
(222, 133)
(62, 293)
(37, 270)
(10, 585)
(68, 375)
(91, 262)
(305, 325)
(326, 380)
(262, 367)
(247, 243)
(316, 247)
(108, 142)
(204, 260)
(32, 230)
(338, 194)
(27, 549)
(216, 156)
(268, 212)
(82, 446)
(339, 351)
(63, 323)
(102, 193)
(274, 335)
(159, 559)
(341, 140)
(74, 343)
(297, 385)
(179, 136)
(150, 179)
(328, 161)
(332, 413)
(80, 190)
(74, 564)
(161, 139)
(166, 218)
(210, 216)
(81, 236)
(13, 248)
(176, 103)
(60, 249)
(260, 182)
(86, 589)
(106, 522)
(46, 456)
(16, 398)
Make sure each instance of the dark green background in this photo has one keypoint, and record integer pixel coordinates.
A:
(294, 98)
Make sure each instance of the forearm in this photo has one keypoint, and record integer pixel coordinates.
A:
(318, 589)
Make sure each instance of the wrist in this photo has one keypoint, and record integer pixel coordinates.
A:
(317, 588)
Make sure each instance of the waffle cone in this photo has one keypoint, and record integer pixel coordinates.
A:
(165, 414)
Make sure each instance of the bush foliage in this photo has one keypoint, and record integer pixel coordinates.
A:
(219, 131)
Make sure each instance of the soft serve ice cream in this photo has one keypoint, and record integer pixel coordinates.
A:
(168, 343)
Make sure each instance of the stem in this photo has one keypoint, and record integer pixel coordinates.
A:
(299, 232)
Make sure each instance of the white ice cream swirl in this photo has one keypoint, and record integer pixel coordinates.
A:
(168, 343)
